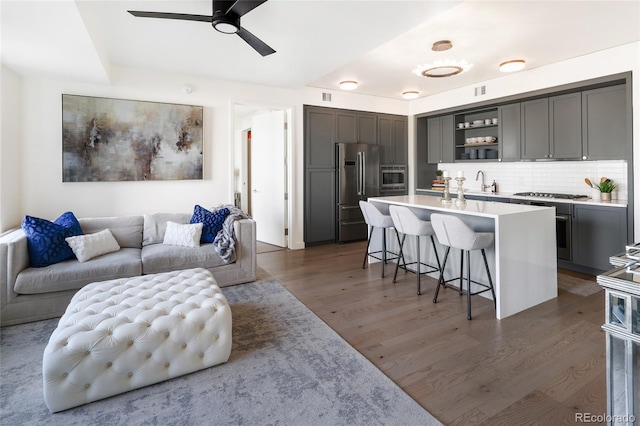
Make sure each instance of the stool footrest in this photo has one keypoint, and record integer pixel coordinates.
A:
(487, 287)
(432, 268)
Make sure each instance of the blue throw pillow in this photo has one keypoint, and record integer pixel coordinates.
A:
(211, 222)
(45, 239)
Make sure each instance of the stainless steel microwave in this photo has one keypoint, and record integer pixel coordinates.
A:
(393, 177)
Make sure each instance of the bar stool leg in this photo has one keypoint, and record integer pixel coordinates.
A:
(366, 251)
(400, 254)
(395, 275)
(468, 285)
(486, 265)
(441, 279)
(461, 273)
(418, 261)
(435, 251)
(384, 249)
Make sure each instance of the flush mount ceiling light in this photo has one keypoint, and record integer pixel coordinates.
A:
(511, 66)
(410, 94)
(348, 85)
(441, 46)
(447, 68)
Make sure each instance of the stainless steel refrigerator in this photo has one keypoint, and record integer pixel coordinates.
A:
(357, 178)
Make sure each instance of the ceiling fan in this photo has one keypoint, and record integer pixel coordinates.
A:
(225, 19)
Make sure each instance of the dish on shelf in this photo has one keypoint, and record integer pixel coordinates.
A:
(478, 122)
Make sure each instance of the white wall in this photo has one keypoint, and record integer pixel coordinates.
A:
(607, 62)
(37, 162)
(10, 149)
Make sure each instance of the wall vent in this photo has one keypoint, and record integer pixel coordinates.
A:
(326, 97)
(480, 90)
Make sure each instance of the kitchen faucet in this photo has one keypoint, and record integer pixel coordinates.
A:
(482, 185)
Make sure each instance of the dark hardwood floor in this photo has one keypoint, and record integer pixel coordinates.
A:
(539, 367)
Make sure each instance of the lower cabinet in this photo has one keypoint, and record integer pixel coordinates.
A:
(319, 206)
(597, 233)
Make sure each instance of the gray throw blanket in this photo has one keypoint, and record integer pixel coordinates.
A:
(225, 242)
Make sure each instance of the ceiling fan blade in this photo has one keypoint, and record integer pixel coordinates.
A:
(240, 7)
(260, 46)
(182, 16)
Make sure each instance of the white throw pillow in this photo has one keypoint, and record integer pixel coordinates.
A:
(187, 235)
(88, 246)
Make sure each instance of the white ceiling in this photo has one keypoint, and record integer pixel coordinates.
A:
(317, 43)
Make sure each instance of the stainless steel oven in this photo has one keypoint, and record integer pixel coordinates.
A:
(563, 225)
(393, 177)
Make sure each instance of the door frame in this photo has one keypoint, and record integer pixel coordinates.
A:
(233, 140)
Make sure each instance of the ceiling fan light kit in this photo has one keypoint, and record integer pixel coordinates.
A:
(512, 66)
(225, 18)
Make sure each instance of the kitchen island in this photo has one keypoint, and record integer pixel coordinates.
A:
(522, 260)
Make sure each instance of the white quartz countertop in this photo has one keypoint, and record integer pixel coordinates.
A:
(592, 201)
(490, 209)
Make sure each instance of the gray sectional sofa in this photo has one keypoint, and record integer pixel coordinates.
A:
(32, 294)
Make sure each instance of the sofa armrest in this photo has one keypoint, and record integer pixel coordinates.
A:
(245, 232)
(14, 257)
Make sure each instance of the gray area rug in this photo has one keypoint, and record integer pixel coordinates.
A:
(286, 367)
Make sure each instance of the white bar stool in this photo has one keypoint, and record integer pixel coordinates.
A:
(407, 223)
(375, 219)
(453, 232)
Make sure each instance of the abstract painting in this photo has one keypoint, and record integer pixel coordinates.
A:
(108, 140)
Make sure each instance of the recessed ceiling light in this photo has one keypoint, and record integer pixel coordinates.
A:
(447, 68)
(410, 94)
(348, 85)
(441, 46)
(511, 66)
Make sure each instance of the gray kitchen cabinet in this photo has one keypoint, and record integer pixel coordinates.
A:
(392, 139)
(440, 139)
(565, 126)
(319, 137)
(319, 206)
(509, 131)
(605, 124)
(597, 233)
(352, 126)
(534, 129)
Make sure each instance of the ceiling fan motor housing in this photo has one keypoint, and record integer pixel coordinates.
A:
(227, 23)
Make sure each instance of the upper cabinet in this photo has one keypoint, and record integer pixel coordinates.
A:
(565, 127)
(440, 139)
(534, 129)
(319, 139)
(353, 126)
(393, 139)
(509, 131)
(605, 124)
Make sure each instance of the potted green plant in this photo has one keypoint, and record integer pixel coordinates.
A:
(606, 187)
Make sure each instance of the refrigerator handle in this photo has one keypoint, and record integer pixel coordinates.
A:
(364, 173)
(359, 173)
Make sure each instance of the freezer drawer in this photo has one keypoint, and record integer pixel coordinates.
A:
(352, 230)
(349, 212)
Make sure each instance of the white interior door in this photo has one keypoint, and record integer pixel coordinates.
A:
(268, 177)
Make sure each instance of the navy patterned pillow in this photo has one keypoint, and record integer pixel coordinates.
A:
(211, 221)
(45, 239)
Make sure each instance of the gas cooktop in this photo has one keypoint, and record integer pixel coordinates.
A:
(551, 195)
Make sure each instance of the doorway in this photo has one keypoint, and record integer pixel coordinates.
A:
(261, 169)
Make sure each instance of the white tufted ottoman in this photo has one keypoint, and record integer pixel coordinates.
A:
(124, 334)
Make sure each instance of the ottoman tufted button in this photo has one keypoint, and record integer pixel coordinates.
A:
(166, 334)
(87, 353)
(87, 386)
(65, 374)
(130, 342)
(109, 364)
(130, 374)
(201, 326)
(201, 354)
(148, 354)
(184, 345)
(166, 365)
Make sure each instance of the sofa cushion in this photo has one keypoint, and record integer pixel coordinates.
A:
(72, 275)
(162, 258)
(183, 235)
(155, 225)
(127, 230)
(211, 220)
(88, 246)
(46, 239)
